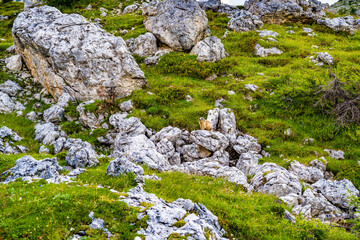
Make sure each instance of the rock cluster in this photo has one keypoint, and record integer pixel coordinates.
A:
(198, 221)
(7, 141)
(86, 67)
(286, 11)
(348, 23)
(226, 153)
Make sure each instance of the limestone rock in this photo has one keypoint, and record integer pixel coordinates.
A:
(337, 154)
(88, 118)
(46, 133)
(210, 50)
(6, 103)
(337, 192)
(325, 57)
(9, 87)
(162, 216)
(286, 11)
(211, 141)
(273, 179)
(129, 126)
(307, 174)
(65, 53)
(170, 133)
(244, 21)
(122, 165)
(264, 52)
(180, 24)
(14, 63)
(339, 24)
(27, 166)
(126, 106)
(144, 45)
(81, 155)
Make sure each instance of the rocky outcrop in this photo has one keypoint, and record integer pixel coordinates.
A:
(244, 21)
(286, 11)
(7, 105)
(87, 67)
(162, 217)
(27, 167)
(180, 24)
(340, 24)
(210, 50)
(144, 45)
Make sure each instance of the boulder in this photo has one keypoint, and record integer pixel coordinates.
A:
(46, 133)
(144, 45)
(81, 155)
(337, 192)
(129, 144)
(211, 141)
(6, 103)
(210, 5)
(170, 133)
(267, 33)
(337, 154)
(180, 24)
(209, 50)
(247, 161)
(27, 166)
(286, 11)
(264, 52)
(130, 126)
(131, 8)
(14, 63)
(56, 112)
(166, 148)
(151, 158)
(126, 106)
(9, 87)
(244, 21)
(122, 165)
(273, 179)
(6, 132)
(307, 174)
(348, 23)
(93, 65)
(325, 57)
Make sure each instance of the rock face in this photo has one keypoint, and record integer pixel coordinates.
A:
(86, 67)
(180, 24)
(144, 45)
(27, 166)
(286, 11)
(210, 50)
(347, 23)
(244, 21)
(162, 216)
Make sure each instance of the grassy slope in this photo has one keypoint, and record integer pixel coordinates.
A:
(244, 216)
